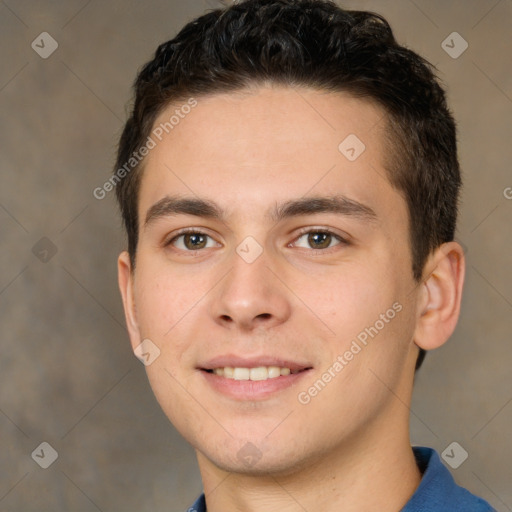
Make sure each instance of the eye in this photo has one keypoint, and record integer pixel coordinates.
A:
(192, 241)
(318, 239)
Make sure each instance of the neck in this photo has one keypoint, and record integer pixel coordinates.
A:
(359, 475)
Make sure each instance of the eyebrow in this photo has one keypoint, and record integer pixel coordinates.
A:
(172, 205)
(341, 205)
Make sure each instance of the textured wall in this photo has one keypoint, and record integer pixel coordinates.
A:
(67, 374)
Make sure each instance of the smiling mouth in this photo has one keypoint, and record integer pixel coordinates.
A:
(255, 374)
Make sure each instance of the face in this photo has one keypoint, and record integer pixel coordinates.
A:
(273, 274)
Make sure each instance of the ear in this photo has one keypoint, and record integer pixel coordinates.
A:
(125, 279)
(440, 296)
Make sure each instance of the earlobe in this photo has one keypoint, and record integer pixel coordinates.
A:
(125, 279)
(441, 295)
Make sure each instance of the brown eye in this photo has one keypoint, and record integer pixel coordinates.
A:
(192, 241)
(319, 240)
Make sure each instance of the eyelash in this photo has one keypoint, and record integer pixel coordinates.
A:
(186, 231)
(303, 232)
(306, 231)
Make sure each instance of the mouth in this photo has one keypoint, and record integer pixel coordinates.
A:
(254, 379)
(254, 374)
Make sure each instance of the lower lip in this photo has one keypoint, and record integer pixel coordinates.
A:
(252, 389)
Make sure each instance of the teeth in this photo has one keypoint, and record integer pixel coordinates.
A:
(274, 371)
(241, 374)
(259, 373)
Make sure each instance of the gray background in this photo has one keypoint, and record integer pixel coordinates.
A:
(67, 374)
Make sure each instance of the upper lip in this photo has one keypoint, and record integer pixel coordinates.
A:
(252, 362)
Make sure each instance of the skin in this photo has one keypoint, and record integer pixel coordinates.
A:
(248, 152)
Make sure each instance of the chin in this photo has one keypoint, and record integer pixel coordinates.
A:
(257, 457)
(258, 464)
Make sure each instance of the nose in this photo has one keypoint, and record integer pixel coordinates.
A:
(251, 296)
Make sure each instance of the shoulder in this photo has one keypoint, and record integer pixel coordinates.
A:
(438, 491)
(199, 505)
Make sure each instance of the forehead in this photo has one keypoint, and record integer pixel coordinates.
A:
(276, 118)
(249, 148)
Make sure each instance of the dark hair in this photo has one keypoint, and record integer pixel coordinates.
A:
(312, 43)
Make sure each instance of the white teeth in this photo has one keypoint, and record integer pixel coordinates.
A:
(273, 372)
(259, 373)
(241, 374)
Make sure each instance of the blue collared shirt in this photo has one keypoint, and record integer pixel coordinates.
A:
(437, 491)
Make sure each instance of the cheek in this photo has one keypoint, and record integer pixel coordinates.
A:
(164, 305)
(163, 298)
(367, 310)
(347, 298)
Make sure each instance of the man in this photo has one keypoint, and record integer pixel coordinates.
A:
(288, 180)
